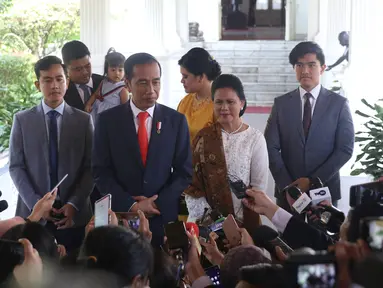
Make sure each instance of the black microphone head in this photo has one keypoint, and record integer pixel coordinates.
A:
(1, 193)
(316, 183)
(263, 235)
(294, 192)
(3, 205)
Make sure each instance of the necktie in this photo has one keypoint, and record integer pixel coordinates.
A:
(143, 135)
(307, 114)
(53, 147)
(85, 88)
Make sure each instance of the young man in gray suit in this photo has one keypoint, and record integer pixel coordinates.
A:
(47, 142)
(310, 132)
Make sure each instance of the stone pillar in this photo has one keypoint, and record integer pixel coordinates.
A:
(95, 30)
(182, 15)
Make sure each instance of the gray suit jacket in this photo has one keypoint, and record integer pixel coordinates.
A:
(29, 160)
(328, 147)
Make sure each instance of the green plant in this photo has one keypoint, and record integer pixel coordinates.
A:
(371, 142)
(17, 91)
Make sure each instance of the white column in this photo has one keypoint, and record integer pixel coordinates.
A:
(182, 15)
(171, 41)
(95, 30)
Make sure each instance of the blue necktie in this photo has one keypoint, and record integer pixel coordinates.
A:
(53, 147)
(85, 88)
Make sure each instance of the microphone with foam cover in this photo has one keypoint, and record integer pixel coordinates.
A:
(3, 205)
(268, 238)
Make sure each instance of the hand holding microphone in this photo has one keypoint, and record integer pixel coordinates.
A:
(260, 203)
(3, 204)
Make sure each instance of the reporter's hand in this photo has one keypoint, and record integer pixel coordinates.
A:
(61, 250)
(88, 108)
(245, 237)
(30, 272)
(146, 205)
(90, 226)
(144, 226)
(67, 222)
(193, 267)
(302, 183)
(43, 207)
(260, 203)
(211, 251)
(113, 218)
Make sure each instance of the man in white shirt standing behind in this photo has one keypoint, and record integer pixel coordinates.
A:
(310, 132)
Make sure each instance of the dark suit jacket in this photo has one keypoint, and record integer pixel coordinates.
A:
(329, 145)
(72, 97)
(29, 160)
(299, 234)
(118, 169)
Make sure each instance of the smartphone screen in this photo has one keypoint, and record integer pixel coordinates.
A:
(176, 235)
(214, 275)
(101, 209)
(373, 232)
(316, 275)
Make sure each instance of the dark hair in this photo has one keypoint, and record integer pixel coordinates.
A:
(165, 271)
(74, 50)
(41, 239)
(198, 62)
(304, 48)
(233, 82)
(113, 59)
(263, 275)
(45, 63)
(138, 59)
(118, 250)
(238, 257)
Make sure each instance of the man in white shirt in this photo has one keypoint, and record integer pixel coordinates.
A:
(310, 132)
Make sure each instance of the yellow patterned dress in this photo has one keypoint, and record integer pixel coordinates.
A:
(198, 113)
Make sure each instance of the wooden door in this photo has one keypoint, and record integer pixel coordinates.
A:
(270, 13)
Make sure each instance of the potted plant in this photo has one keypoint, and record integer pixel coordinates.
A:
(370, 159)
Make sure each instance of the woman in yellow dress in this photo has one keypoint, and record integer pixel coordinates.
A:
(198, 70)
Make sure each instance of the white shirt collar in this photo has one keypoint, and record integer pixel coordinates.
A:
(59, 109)
(136, 110)
(89, 84)
(314, 92)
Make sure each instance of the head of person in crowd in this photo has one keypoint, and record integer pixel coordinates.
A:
(143, 79)
(308, 61)
(164, 272)
(229, 99)
(237, 258)
(41, 240)
(114, 66)
(51, 80)
(262, 275)
(198, 70)
(121, 251)
(76, 58)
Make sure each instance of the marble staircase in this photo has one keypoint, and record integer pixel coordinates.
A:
(262, 66)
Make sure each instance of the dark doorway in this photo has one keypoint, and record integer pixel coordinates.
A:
(253, 19)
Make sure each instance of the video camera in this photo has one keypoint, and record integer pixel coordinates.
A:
(366, 193)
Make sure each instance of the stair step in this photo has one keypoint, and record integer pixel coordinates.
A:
(269, 87)
(252, 45)
(264, 98)
(253, 60)
(266, 78)
(217, 54)
(234, 69)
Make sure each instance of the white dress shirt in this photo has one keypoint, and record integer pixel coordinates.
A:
(149, 120)
(60, 110)
(280, 219)
(81, 92)
(315, 94)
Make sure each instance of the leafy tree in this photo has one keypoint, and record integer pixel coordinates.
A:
(39, 27)
(5, 5)
(17, 91)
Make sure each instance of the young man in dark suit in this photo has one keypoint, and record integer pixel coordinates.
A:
(141, 150)
(47, 142)
(310, 132)
(82, 83)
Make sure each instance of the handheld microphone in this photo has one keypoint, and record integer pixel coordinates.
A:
(268, 238)
(193, 229)
(3, 205)
(317, 192)
(301, 200)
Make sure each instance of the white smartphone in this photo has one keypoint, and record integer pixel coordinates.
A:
(101, 209)
(61, 181)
